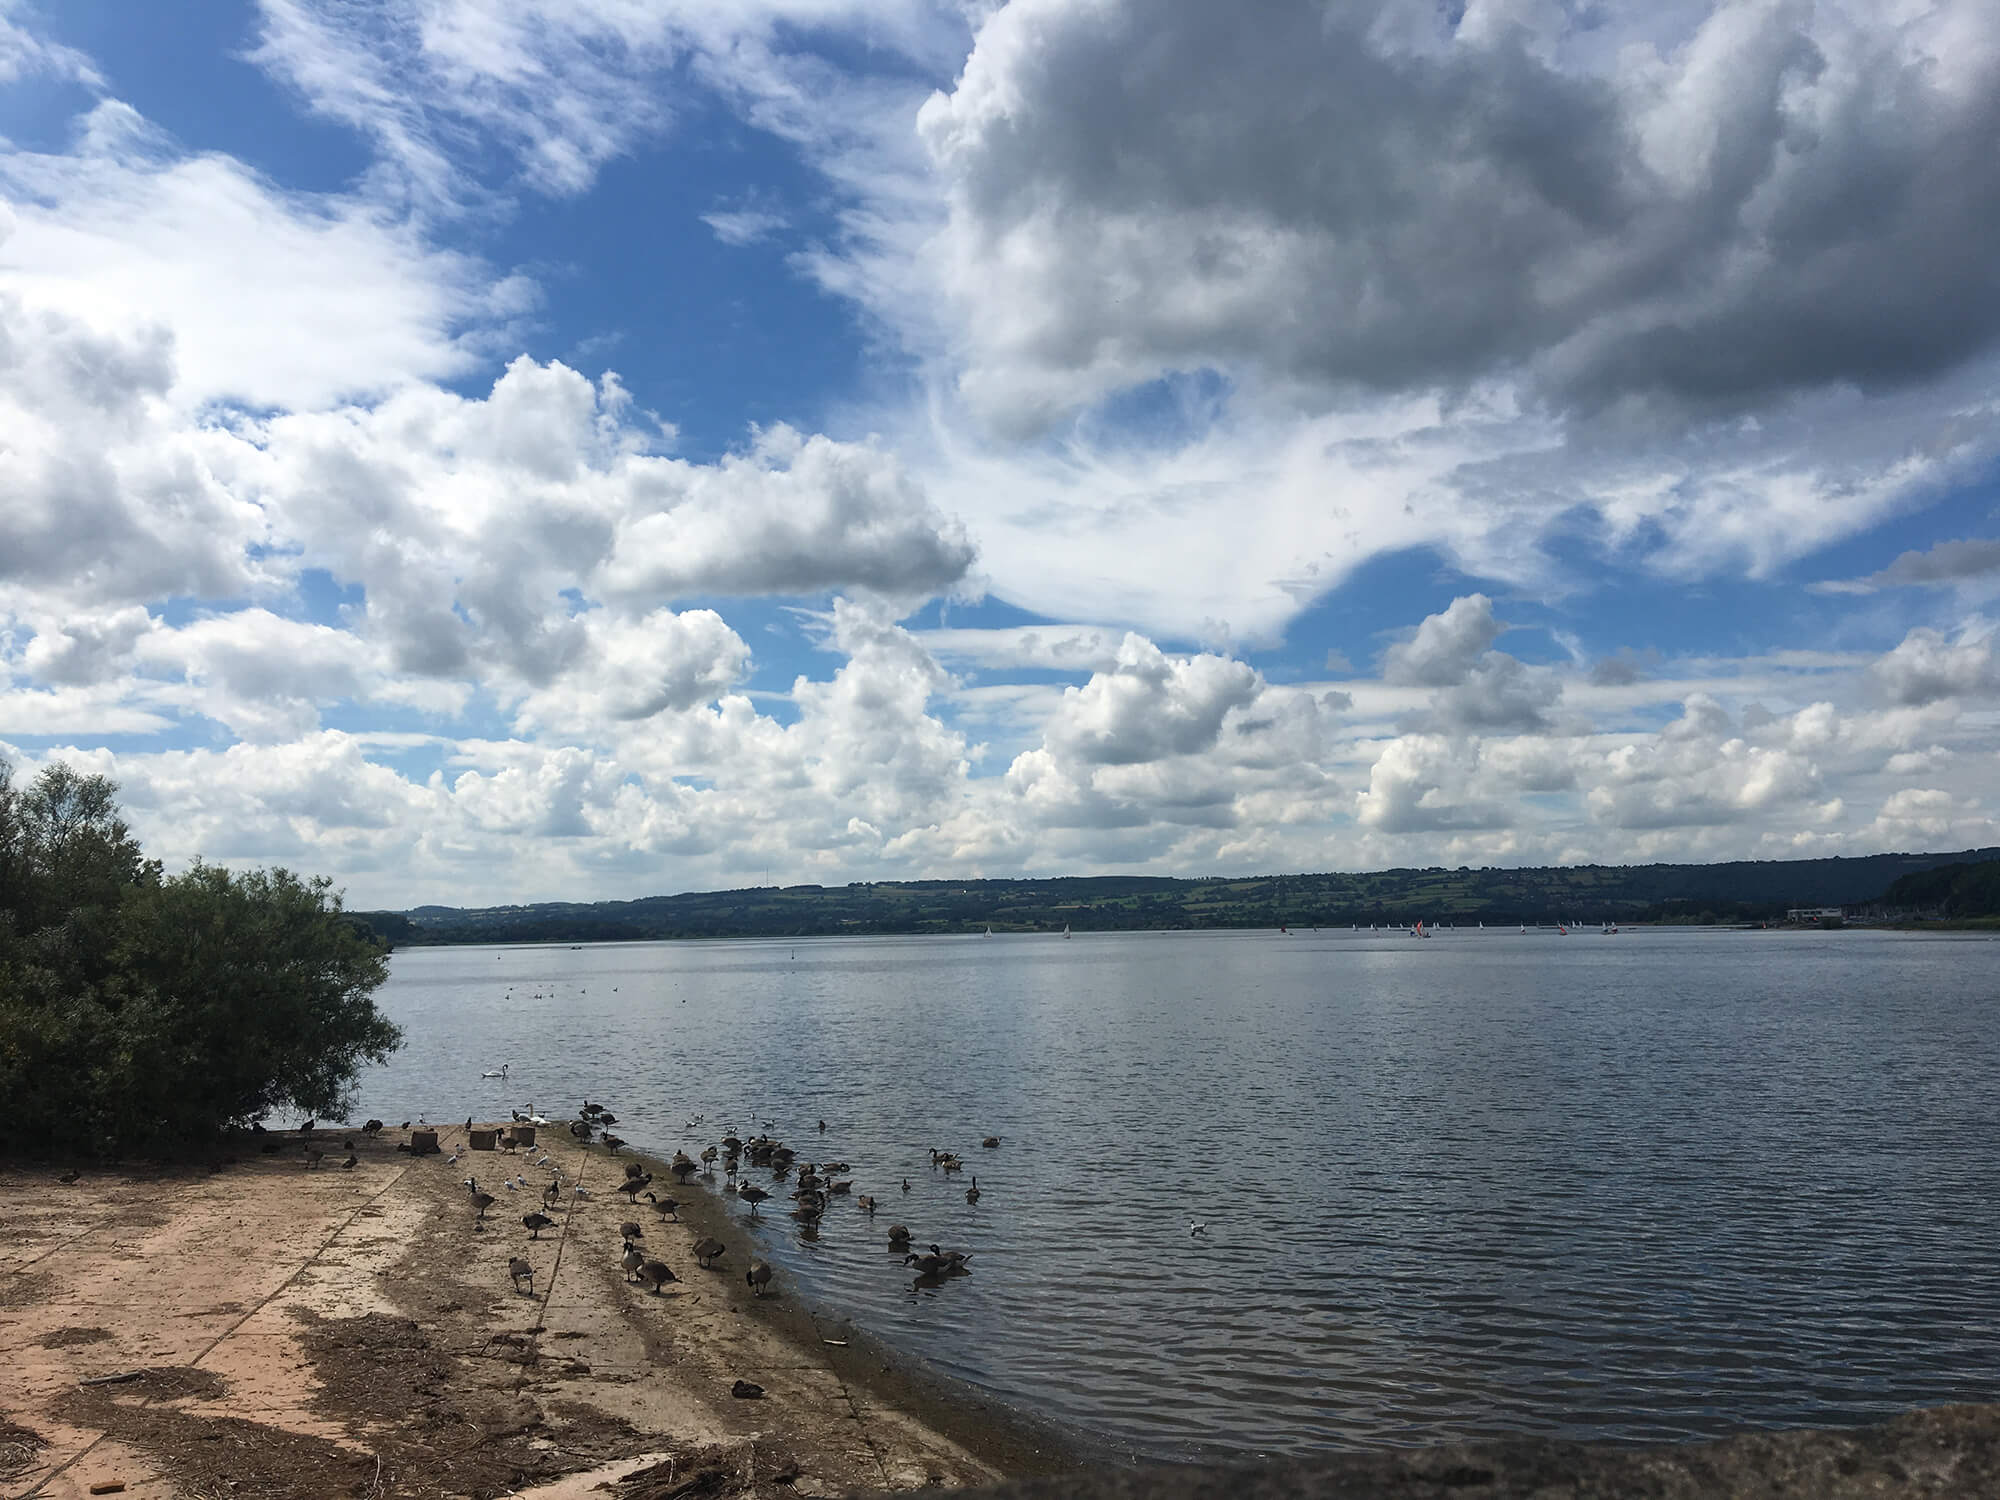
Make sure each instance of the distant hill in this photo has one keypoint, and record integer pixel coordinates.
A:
(1955, 891)
(1740, 891)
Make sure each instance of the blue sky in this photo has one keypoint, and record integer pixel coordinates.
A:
(590, 450)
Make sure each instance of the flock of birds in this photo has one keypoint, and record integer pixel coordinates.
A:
(557, 1196)
(813, 1187)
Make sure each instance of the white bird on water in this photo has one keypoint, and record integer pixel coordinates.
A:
(1201, 1228)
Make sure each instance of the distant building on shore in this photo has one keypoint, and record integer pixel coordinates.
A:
(1816, 916)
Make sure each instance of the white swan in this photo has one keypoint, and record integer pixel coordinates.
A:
(499, 1072)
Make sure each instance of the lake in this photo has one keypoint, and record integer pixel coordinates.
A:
(1652, 1185)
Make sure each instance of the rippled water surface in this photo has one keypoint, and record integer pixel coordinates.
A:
(1643, 1186)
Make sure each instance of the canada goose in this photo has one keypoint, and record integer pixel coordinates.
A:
(846, 1184)
(990, 1142)
(972, 1193)
(822, 1127)
(613, 1142)
(351, 1160)
(633, 1169)
(68, 1178)
(632, 1187)
(683, 1166)
(899, 1237)
(866, 1204)
(632, 1260)
(314, 1156)
(753, 1195)
(657, 1272)
(521, 1271)
(667, 1208)
(606, 1117)
(758, 1276)
(307, 1128)
(631, 1231)
(906, 1184)
(706, 1250)
(928, 1265)
(372, 1127)
(347, 1144)
(536, 1223)
(952, 1164)
(481, 1200)
(552, 1195)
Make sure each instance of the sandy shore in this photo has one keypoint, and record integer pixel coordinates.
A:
(319, 1333)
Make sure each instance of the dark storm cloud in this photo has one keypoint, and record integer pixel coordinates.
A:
(1784, 198)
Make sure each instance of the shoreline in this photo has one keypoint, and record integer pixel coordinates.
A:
(319, 1331)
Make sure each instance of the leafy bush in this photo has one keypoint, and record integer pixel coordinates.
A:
(141, 1011)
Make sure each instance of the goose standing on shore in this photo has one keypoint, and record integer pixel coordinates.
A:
(759, 1277)
(521, 1271)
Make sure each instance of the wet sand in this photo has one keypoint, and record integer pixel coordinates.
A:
(325, 1332)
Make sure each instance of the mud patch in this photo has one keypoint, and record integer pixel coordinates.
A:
(225, 1455)
(735, 1471)
(439, 1432)
(73, 1338)
(18, 1447)
(25, 1289)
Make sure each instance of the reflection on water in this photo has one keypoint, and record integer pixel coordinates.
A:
(1637, 1187)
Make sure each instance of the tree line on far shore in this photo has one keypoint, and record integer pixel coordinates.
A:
(146, 1012)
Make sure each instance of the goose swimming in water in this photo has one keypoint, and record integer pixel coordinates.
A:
(972, 1193)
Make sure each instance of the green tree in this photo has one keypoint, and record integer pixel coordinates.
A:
(142, 1011)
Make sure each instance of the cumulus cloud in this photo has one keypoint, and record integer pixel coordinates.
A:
(1745, 200)
(1929, 666)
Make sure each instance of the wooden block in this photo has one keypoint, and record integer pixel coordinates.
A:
(483, 1140)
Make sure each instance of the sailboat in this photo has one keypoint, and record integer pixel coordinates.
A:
(1065, 929)
(989, 932)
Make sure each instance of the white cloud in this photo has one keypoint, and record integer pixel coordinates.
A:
(1929, 665)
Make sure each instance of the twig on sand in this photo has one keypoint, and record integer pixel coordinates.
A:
(118, 1379)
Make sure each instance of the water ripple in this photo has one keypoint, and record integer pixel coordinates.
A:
(1641, 1189)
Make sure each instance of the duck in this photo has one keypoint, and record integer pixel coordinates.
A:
(521, 1271)
(536, 1223)
(972, 1193)
(707, 1249)
(658, 1273)
(758, 1276)
(633, 1260)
